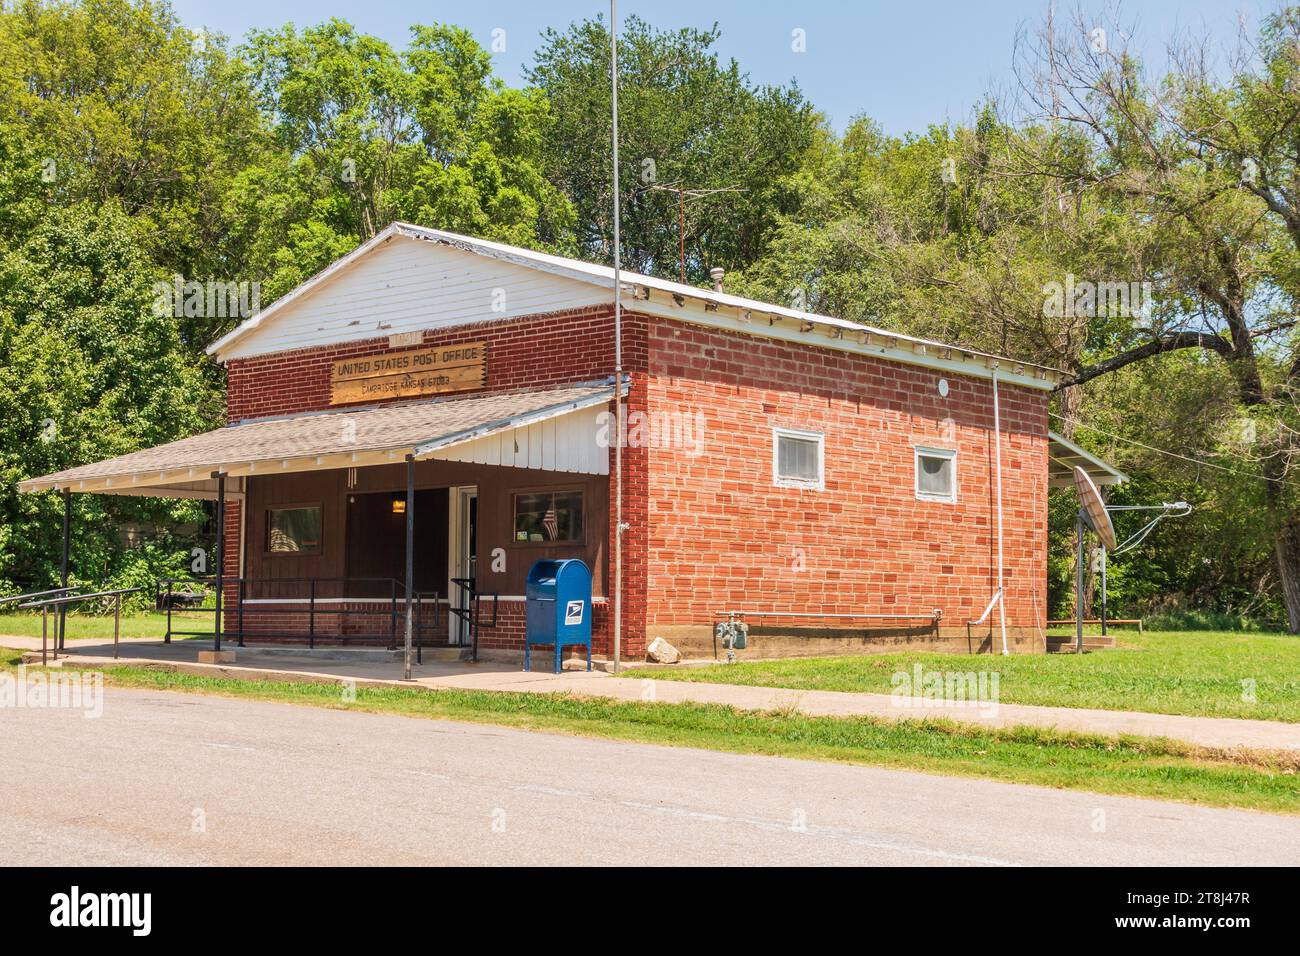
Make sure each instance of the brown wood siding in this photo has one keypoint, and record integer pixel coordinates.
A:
(496, 488)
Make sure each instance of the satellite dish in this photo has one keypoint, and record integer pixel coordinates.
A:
(1094, 508)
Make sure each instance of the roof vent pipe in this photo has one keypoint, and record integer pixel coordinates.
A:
(716, 274)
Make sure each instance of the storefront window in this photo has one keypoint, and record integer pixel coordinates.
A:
(548, 517)
(293, 530)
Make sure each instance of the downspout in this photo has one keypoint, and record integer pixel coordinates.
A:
(997, 459)
(618, 353)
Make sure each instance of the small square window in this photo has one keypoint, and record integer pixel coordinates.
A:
(936, 474)
(293, 530)
(797, 459)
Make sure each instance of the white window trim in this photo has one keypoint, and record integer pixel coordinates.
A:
(781, 482)
(948, 453)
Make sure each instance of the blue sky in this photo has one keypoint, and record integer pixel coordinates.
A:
(906, 64)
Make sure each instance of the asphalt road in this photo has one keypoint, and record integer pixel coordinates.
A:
(169, 778)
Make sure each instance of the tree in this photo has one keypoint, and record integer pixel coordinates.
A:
(366, 135)
(87, 371)
(120, 104)
(685, 120)
(1204, 168)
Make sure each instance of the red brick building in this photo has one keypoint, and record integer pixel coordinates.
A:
(835, 485)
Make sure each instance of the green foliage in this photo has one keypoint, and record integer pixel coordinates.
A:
(1159, 768)
(118, 105)
(87, 371)
(1197, 674)
(133, 149)
(685, 119)
(365, 136)
(143, 566)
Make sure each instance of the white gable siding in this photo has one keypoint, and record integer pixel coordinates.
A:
(564, 443)
(408, 285)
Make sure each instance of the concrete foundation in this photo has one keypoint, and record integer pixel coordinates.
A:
(695, 642)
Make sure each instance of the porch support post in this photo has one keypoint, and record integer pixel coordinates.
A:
(221, 555)
(1078, 584)
(1103, 590)
(63, 567)
(410, 557)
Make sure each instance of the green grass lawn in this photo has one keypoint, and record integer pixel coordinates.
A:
(150, 624)
(1123, 766)
(1195, 673)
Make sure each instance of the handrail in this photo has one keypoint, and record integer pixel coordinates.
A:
(311, 603)
(420, 627)
(68, 599)
(76, 598)
(473, 614)
(37, 594)
(34, 594)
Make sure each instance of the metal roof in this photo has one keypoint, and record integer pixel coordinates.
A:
(335, 439)
(889, 344)
(1064, 456)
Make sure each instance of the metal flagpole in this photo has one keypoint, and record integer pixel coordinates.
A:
(618, 353)
(410, 560)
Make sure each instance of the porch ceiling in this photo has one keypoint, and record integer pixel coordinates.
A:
(336, 439)
(1064, 455)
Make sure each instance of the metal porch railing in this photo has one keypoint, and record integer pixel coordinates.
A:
(468, 608)
(317, 599)
(19, 599)
(67, 600)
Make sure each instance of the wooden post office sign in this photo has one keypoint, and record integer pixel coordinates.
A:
(450, 368)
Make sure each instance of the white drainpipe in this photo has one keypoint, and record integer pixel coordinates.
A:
(997, 459)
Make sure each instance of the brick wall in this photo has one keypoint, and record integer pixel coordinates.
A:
(722, 536)
(710, 531)
(538, 352)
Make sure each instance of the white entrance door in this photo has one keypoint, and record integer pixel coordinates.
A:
(463, 544)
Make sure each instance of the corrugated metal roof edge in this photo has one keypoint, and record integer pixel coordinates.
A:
(1119, 476)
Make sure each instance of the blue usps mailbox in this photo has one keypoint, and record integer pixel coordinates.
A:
(558, 608)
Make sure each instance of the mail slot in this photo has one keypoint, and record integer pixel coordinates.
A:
(557, 608)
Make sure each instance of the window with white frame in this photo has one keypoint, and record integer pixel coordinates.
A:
(936, 474)
(798, 459)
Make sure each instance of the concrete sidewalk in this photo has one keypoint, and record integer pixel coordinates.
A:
(383, 668)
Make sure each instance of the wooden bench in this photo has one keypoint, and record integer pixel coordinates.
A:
(1097, 621)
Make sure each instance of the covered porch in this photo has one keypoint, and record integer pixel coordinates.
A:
(408, 526)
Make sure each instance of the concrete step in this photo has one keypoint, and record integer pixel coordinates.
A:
(274, 652)
(443, 653)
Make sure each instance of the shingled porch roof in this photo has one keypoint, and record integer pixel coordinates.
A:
(309, 442)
